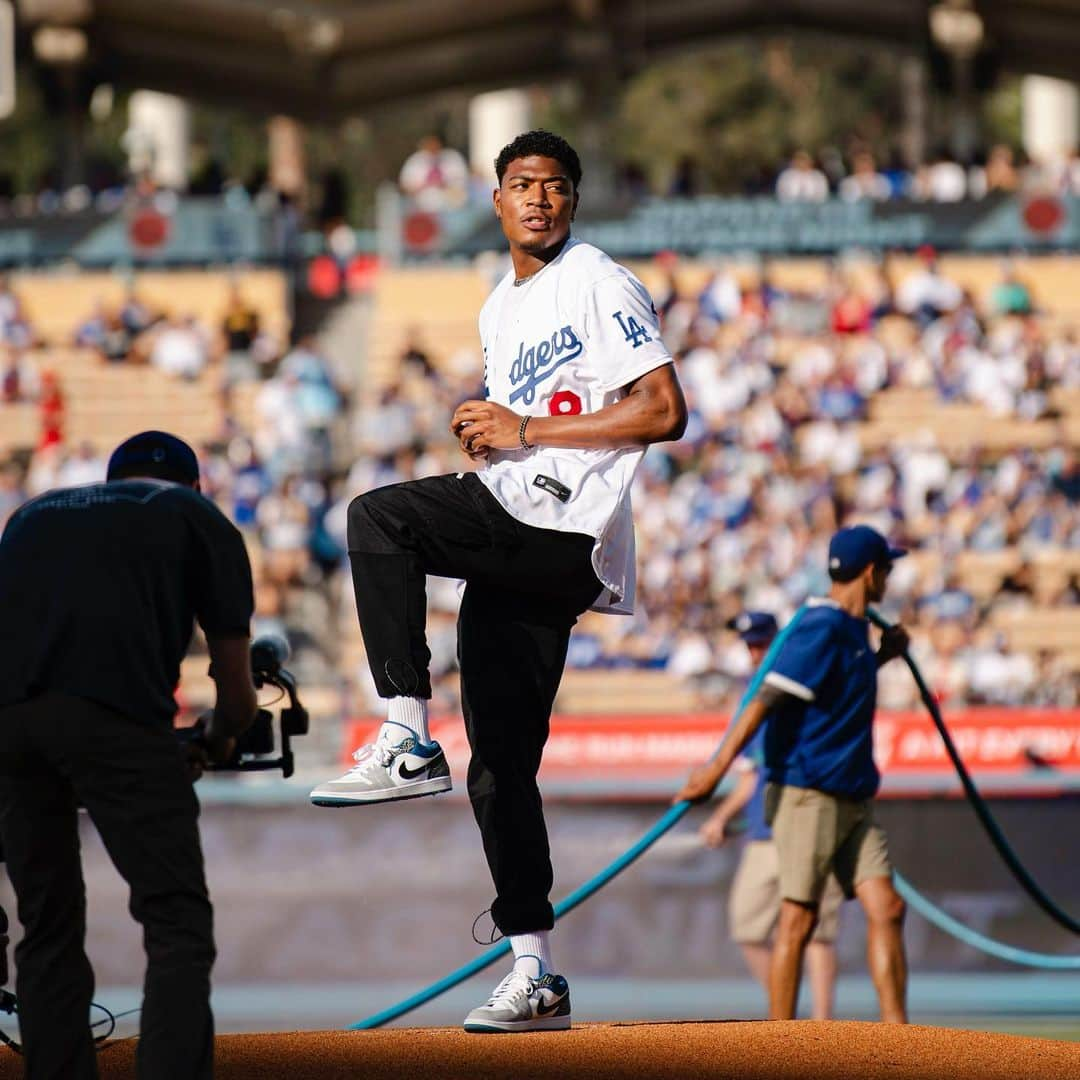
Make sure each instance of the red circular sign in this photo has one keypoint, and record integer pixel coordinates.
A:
(148, 229)
(1044, 214)
(421, 230)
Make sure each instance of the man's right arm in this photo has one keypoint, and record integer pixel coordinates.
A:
(236, 704)
(703, 780)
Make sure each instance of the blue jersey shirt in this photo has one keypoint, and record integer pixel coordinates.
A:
(823, 738)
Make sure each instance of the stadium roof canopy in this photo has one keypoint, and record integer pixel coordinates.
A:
(331, 58)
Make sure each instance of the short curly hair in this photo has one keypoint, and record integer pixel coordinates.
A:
(540, 144)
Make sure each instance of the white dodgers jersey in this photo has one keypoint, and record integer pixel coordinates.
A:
(569, 340)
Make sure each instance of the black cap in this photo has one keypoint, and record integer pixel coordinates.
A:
(154, 453)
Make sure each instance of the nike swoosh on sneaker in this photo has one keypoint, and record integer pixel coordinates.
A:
(548, 1010)
(411, 774)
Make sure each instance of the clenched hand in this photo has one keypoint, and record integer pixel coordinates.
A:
(481, 426)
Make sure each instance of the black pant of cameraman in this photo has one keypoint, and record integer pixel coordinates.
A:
(525, 588)
(58, 752)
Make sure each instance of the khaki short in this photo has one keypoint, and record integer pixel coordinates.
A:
(754, 903)
(816, 833)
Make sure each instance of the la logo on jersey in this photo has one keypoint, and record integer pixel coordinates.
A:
(632, 330)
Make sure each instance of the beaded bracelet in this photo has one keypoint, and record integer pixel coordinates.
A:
(521, 433)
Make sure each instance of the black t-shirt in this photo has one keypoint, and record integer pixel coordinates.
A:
(99, 587)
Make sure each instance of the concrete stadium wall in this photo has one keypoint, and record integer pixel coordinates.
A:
(390, 893)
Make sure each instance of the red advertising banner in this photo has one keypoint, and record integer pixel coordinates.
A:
(1020, 749)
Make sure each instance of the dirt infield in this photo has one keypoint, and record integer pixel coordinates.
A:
(760, 1050)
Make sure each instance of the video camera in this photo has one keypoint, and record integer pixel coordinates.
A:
(254, 746)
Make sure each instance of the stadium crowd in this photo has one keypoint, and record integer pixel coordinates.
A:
(734, 516)
(859, 175)
(437, 177)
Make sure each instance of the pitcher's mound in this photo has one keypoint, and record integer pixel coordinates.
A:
(760, 1050)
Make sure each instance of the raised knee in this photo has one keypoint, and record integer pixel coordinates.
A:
(359, 514)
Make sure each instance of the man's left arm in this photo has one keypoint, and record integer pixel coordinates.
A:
(653, 410)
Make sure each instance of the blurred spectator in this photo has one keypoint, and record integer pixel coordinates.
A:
(951, 602)
(927, 294)
(865, 182)
(436, 176)
(106, 331)
(414, 356)
(1001, 172)
(387, 427)
(898, 176)
(240, 329)
(18, 378)
(250, 482)
(135, 316)
(180, 348)
(284, 522)
(1067, 174)
(295, 412)
(1011, 296)
(15, 328)
(684, 181)
(9, 306)
(941, 180)
(207, 174)
(85, 466)
(852, 312)
(720, 299)
(12, 492)
(52, 410)
(801, 181)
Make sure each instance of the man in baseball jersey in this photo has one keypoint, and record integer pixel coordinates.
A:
(578, 383)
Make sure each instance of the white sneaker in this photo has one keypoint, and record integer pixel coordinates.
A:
(384, 772)
(522, 1003)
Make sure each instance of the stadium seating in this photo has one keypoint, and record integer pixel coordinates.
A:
(104, 402)
(56, 303)
(442, 304)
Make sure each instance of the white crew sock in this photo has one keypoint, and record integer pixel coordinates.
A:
(408, 713)
(532, 953)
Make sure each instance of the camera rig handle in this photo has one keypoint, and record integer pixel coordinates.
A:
(258, 741)
(256, 744)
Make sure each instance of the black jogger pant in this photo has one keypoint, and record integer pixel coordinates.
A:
(525, 588)
(57, 752)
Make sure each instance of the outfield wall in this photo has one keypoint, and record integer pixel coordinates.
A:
(389, 893)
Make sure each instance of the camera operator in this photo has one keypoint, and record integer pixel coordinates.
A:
(100, 587)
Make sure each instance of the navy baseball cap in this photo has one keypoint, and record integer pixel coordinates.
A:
(154, 453)
(855, 548)
(754, 627)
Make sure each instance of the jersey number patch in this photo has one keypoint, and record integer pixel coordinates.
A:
(632, 330)
(564, 403)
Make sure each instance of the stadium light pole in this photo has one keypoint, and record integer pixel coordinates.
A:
(7, 59)
(957, 29)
